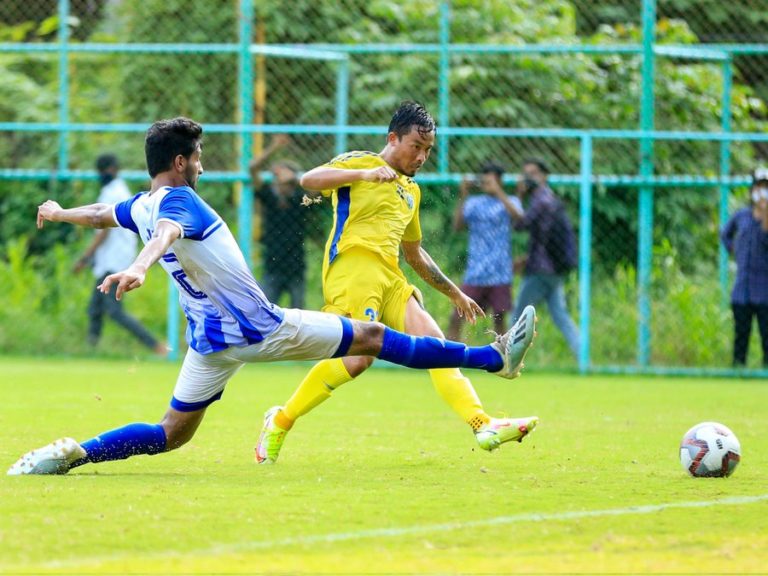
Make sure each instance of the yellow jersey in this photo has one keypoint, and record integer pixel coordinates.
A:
(376, 216)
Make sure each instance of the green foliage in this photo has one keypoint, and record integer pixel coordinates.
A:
(43, 305)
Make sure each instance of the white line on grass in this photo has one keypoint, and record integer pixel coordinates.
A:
(423, 529)
(451, 526)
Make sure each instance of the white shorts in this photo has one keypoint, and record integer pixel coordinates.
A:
(302, 335)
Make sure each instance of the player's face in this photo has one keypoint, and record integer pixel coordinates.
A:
(194, 168)
(411, 151)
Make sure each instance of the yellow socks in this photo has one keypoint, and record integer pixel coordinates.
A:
(458, 393)
(322, 379)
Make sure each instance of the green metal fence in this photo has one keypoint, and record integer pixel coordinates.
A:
(335, 119)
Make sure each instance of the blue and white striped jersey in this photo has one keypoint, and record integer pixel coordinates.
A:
(221, 299)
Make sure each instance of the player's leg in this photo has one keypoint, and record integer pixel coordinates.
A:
(457, 391)
(317, 386)
(200, 383)
(742, 326)
(306, 335)
(347, 293)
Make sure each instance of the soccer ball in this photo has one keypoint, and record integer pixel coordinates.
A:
(710, 450)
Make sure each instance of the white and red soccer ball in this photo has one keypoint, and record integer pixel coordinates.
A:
(710, 450)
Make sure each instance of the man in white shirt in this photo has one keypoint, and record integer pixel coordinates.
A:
(112, 250)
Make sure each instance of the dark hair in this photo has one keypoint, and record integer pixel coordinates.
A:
(539, 163)
(166, 139)
(106, 161)
(493, 168)
(411, 113)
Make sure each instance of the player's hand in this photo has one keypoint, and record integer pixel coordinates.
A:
(380, 174)
(467, 308)
(47, 211)
(126, 281)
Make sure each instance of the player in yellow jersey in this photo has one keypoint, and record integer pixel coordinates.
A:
(376, 213)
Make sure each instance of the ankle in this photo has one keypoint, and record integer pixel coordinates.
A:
(478, 421)
(282, 421)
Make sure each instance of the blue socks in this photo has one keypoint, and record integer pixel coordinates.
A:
(124, 442)
(428, 352)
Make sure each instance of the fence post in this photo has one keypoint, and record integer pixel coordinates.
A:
(444, 90)
(63, 38)
(645, 200)
(725, 169)
(245, 89)
(585, 253)
(342, 104)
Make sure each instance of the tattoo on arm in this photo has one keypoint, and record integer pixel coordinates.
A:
(436, 277)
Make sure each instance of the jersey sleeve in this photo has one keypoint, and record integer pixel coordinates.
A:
(121, 213)
(351, 161)
(413, 230)
(184, 208)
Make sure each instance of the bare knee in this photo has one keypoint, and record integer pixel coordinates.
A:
(180, 427)
(368, 338)
(356, 365)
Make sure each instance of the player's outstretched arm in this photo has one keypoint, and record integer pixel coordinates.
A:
(328, 178)
(92, 215)
(422, 263)
(166, 233)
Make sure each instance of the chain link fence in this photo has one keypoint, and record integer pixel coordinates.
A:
(506, 82)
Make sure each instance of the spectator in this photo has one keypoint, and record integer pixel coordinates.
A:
(285, 222)
(112, 250)
(747, 241)
(488, 278)
(551, 249)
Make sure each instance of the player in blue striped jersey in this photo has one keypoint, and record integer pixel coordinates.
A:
(230, 321)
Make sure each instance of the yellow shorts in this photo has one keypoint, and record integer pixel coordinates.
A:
(361, 286)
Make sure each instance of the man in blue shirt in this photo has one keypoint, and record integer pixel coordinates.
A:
(747, 241)
(488, 277)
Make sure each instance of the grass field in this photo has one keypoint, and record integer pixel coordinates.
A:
(383, 478)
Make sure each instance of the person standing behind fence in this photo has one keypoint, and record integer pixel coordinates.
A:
(746, 240)
(488, 277)
(284, 222)
(110, 251)
(551, 248)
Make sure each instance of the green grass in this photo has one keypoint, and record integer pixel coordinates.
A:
(384, 453)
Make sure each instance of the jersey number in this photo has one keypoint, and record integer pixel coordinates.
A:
(181, 277)
(371, 313)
